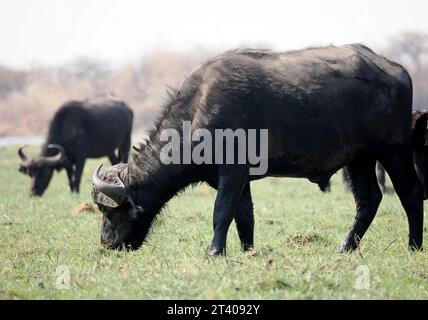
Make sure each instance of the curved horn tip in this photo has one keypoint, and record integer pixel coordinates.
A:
(21, 152)
(95, 175)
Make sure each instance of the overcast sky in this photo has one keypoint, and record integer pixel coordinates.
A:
(55, 31)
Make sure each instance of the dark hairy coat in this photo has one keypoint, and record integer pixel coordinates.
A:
(323, 107)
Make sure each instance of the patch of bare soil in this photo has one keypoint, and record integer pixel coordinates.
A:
(83, 207)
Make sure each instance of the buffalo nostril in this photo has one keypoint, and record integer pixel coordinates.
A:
(106, 245)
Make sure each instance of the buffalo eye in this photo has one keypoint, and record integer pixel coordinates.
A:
(102, 208)
(107, 212)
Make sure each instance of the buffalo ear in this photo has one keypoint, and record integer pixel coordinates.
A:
(419, 128)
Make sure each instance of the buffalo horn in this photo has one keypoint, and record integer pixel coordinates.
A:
(117, 193)
(22, 154)
(56, 159)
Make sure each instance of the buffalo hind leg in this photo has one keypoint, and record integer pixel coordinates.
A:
(231, 182)
(70, 173)
(401, 170)
(78, 174)
(113, 159)
(345, 179)
(380, 174)
(244, 219)
(364, 186)
(124, 149)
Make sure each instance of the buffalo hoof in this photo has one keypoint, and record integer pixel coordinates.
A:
(214, 252)
(347, 246)
(247, 247)
(413, 247)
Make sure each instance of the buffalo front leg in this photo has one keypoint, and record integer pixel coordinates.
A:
(367, 196)
(231, 181)
(244, 219)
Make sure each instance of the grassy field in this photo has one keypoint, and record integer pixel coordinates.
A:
(43, 241)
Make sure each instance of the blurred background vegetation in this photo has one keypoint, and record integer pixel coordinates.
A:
(29, 97)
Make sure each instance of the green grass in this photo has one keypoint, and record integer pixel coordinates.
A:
(297, 231)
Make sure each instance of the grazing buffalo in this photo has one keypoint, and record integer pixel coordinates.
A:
(80, 130)
(323, 108)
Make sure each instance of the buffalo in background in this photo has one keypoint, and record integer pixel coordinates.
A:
(80, 130)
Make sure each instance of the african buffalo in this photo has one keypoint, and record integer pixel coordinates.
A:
(80, 130)
(324, 108)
